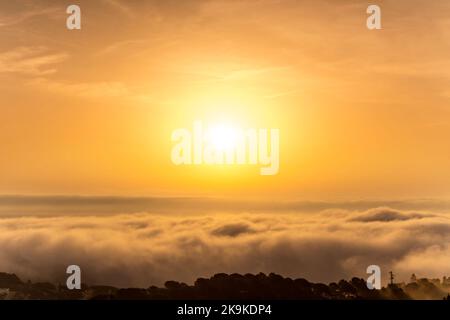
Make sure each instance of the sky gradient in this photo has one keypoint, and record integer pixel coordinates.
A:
(362, 114)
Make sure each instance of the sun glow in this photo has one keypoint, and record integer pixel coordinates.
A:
(222, 137)
(219, 145)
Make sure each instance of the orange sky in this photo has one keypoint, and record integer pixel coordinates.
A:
(362, 114)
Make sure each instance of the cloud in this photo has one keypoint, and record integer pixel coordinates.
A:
(37, 61)
(117, 46)
(232, 230)
(386, 215)
(421, 259)
(103, 89)
(143, 249)
(119, 5)
(25, 15)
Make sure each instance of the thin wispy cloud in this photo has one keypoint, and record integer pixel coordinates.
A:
(118, 46)
(120, 6)
(106, 89)
(36, 61)
(25, 15)
(249, 73)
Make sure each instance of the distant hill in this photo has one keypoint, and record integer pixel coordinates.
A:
(231, 287)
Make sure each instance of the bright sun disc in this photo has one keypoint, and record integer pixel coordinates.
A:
(222, 137)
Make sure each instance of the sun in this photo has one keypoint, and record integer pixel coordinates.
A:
(222, 137)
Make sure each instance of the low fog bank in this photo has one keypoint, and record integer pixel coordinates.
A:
(145, 249)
